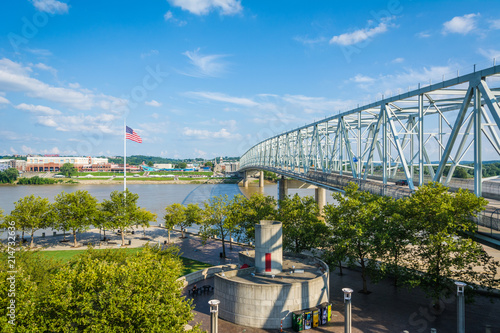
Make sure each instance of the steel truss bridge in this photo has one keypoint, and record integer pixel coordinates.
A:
(419, 136)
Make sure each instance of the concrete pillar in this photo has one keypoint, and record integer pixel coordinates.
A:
(268, 247)
(320, 196)
(261, 179)
(282, 188)
(245, 179)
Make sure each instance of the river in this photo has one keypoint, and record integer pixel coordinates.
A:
(153, 197)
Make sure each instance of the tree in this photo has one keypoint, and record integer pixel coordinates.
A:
(181, 165)
(236, 214)
(174, 215)
(257, 207)
(215, 221)
(302, 229)
(352, 227)
(68, 170)
(31, 213)
(209, 164)
(150, 164)
(445, 251)
(75, 211)
(121, 210)
(394, 240)
(98, 291)
(144, 217)
(193, 216)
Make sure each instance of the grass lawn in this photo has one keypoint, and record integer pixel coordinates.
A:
(190, 265)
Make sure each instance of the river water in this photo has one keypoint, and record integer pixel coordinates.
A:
(153, 197)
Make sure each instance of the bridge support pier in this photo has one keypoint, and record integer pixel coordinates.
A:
(261, 179)
(320, 196)
(245, 179)
(282, 188)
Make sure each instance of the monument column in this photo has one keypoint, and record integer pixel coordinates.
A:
(268, 247)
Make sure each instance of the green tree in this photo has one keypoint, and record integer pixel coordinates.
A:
(460, 173)
(236, 215)
(144, 217)
(174, 215)
(193, 216)
(98, 291)
(257, 207)
(31, 213)
(209, 164)
(181, 165)
(68, 170)
(353, 229)
(445, 252)
(150, 164)
(302, 228)
(215, 222)
(121, 210)
(75, 211)
(394, 240)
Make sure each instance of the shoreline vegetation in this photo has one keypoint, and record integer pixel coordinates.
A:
(107, 181)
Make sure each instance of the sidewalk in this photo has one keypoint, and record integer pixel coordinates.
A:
(386, 309)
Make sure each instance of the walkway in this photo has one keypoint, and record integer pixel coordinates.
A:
(386, 309)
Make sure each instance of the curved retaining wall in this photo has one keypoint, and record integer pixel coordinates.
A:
(265, 305)
(204, 274)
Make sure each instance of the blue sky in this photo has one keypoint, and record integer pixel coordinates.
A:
(204, 78)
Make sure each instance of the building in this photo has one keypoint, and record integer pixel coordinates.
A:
(54, 163)
(163, 166)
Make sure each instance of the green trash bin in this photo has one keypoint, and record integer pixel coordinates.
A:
(298, 321)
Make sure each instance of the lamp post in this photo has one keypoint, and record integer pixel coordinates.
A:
(460, 307)
(214, 314)
(347, 302)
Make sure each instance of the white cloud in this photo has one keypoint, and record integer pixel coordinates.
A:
(460, 24)
(16, 77)
(12, 150)
(164, 153)
(4, 100)
(490, 53)
(203, 7)
(200, 153)
(47, 68)
(169, 17)
(310, 41)
(205, 134)
(74, 85)
(398, 60)
(149, 54)
(495, 24)
(153, 103)
(205, 65)
(51, 6)
(47, 121)
(361, 35)
(38, 109)
(27, 150)
(423, 34)
(40, 52)
(359, 78)
(219, 97)
(390, 83)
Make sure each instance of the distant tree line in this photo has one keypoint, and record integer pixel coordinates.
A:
(36, 181)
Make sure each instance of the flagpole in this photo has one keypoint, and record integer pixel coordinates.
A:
(124, 154)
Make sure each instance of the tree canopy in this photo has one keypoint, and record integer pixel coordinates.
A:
(75, 211)
(31, 213)
(68, 170)
(98, 291)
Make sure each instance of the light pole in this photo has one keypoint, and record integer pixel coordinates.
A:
(460, 307)
(214, 314)
(347, 302)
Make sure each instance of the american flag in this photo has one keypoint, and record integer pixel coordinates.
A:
(131, 135)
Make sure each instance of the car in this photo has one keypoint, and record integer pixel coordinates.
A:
(402, 182)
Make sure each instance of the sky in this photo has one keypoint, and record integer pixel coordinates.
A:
(206, 78)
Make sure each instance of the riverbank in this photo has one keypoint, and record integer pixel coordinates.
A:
(108, 181)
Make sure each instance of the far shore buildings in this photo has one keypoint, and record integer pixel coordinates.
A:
(54, 163)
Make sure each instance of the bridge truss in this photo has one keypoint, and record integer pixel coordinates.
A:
(423, 135)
